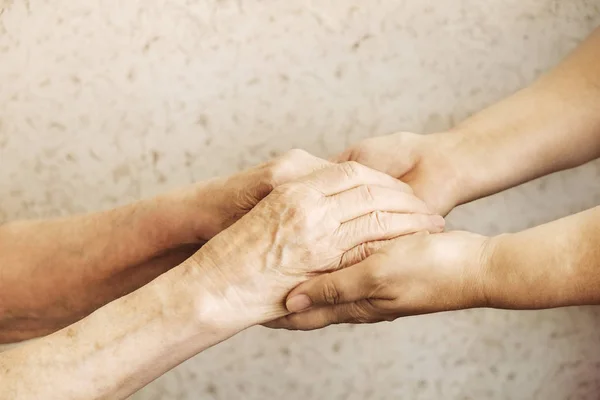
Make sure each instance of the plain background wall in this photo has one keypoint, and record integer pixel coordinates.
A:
(103, 102)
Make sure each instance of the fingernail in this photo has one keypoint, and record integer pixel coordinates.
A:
(438, 221)
(298, 303)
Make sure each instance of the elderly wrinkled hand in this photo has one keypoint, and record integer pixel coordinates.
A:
(316, 224)
(214, 205)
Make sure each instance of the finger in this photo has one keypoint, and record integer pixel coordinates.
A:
(341, 177)
(321, 317)
(384, 225)
(363, 251)
(294, 164)
(344, 286)
(365, 199)
(344, 156)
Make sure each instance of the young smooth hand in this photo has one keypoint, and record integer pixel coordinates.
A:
(422, 161)
(412, 275)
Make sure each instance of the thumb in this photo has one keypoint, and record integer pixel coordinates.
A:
(344, 286)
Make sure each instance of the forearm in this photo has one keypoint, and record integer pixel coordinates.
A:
(57, 271)
(552, 265)
(552, 125)
(121, 347)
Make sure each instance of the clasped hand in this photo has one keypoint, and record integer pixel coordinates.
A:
(329, 219)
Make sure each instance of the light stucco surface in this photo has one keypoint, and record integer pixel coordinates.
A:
(103, 102)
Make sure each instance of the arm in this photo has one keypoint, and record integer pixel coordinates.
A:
(119, 348)
(552, 125)
(238, 279)
(54, 272)
(552, 265)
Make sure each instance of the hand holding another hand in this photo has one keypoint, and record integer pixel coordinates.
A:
(422, 161)
(319, 223)
(215, 205)
(411, 275)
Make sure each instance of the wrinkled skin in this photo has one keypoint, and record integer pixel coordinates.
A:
(316, 224)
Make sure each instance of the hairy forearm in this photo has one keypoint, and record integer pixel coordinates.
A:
(55, 272)
(552, 265)
(552, 125)
(121, 347)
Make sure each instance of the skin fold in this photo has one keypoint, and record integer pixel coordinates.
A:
(552, 125)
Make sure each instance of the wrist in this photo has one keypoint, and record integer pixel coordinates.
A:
(503, 283)
(530, 270)
(477, 159)
(190, 215)
(467, 255)
(201, 300)
(230, 292)
(470, 176)
(444, 164)
(480, 268)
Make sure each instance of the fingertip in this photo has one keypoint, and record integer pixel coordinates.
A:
(298, 303)
(438, 222)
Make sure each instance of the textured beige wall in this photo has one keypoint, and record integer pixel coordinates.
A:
(102, 102)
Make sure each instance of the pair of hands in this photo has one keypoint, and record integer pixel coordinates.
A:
(324, 220)
(409, 275)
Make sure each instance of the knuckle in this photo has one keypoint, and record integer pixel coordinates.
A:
(362, 312)
(264, 184)
(359, 253)
(376, 275)
(293, 165)
(295, 155)
(366, 250)
(282, 168)
(379, 221)
(369, 193)
(267, 173)
(351, 169)
(331, 295)
(275, 171)
(354, 153)
(363, 251)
